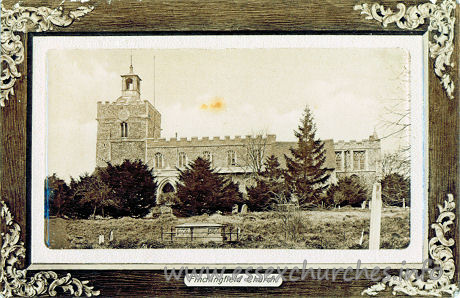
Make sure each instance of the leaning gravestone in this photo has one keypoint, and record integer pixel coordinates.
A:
(376, 217)
(235, 209)
(244, 208)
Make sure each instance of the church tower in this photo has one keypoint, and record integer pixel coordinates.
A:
(125, 124)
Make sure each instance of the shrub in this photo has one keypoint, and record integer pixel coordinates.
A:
(269, 187)
(259, 196)
(202, 190)
(348, 191)
(395, 189)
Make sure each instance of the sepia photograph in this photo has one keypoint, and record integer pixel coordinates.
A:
(307, 148)
(280, 148)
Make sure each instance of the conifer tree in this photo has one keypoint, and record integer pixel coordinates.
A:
(133, 186)
(306, 176)
(202, 190)
(57, 193)
(269, 184)
(273, 171)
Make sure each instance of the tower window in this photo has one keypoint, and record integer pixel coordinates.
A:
(182, 159)
(124, 129)
(158, 160)
(231, 158)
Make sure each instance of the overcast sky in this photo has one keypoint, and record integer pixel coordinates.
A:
(225, 92)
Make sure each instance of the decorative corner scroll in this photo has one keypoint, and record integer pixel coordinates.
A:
(14, 282)
(25, 19)
(441, 25)
(440, 282)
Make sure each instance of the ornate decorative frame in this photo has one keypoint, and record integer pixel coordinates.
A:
(441, 25)
(19, 20)
(26, 19)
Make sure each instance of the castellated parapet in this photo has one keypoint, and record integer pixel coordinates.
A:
(208, 141)
(227, 152)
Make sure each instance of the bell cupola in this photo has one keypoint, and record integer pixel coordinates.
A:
(131, 85)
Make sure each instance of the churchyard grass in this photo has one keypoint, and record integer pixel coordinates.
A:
(319, 229)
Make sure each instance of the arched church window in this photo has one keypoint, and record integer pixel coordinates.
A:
(347, 160)
(338, 160)
(124, 129)
(231, 158)
(182, 159)
(207, 155)
(129, 84)
(358, 160)
(158, 160)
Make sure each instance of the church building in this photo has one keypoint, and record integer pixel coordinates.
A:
(130, 128)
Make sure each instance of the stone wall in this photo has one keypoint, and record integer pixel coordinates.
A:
(346, 165)
(110, 110)
(195, 147)
(143, 121)
(131, 150)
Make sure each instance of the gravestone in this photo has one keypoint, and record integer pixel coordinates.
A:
(235, 209)
(111, 236)
(101, 239)
(165, 209)
(362, 238)
(376, 217)
(244, 208)
(363, 205)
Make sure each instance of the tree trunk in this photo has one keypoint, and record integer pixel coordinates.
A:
(94, 212)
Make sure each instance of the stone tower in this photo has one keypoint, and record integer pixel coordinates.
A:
(123, 126)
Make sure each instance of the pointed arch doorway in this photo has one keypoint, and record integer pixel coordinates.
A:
(166, 193)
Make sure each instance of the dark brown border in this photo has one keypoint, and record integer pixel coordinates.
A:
(281, 17)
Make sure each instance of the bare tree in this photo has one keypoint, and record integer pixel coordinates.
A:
(394, 124)
(256, 147)
(396, 163)
(290, 215)
(395, 121)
